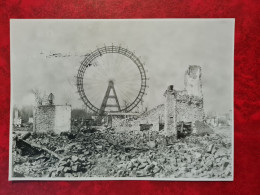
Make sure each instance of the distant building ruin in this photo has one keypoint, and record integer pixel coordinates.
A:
(17, 119)
(52, 118)
(30, 120)
(186, 105)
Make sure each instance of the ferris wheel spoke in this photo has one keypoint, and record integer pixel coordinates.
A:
(123, 93)
(102, 66)
(126, 71)
(130, 82)
(118, 59)
(131, 93)
(100, 71)
(93, 84)
(122, 59)
(93, 80)
(129, 86)
(96, 99)
(131, 76)
(96, 76)
(94, 87)
(125, 98)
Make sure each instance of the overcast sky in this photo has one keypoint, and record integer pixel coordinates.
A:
(167, 47)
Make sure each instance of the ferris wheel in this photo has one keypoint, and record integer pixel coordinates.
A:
(111, 79)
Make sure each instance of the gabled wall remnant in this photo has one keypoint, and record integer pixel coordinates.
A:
(186, 105)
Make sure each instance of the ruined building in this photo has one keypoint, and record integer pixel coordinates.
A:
(186, 106)
(17, 119)
(52, 118)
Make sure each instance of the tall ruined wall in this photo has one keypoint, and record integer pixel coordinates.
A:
(62, 119)
(51, 118)
(192, 81)
(44, 119)
(170, 111)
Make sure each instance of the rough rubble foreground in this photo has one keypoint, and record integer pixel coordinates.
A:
(109, 154)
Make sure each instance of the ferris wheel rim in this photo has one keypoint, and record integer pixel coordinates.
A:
(98, 53)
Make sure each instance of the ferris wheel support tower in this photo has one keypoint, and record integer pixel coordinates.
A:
(104, 104)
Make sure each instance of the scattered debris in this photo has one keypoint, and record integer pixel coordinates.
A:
(112, 154)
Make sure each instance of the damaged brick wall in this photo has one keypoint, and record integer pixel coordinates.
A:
(189, 108)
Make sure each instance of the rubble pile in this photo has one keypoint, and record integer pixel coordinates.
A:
(110, 154)
(197, 157)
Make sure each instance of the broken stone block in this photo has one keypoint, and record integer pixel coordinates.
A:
(163, 160)
(142, 165)
(197, 155)
(26, 136)
(65, 163)
(178, 161)
(149, 167)
(53, 174)
(99, 147)
(75, 168)
(155, 163)
(86, 152)
(156, 169)
(121, 166)
(74, 158)
(129, 166)
(189, 159)
(68, 175)
(67, 169)
(82, 159)
(225, 164)
(209, 163)
(210, 148)
(60, 169)
(220, 153)
(151, 144)
(227, 173)
(120, 173)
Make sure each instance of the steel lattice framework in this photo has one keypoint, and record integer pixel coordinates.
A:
(87, 62)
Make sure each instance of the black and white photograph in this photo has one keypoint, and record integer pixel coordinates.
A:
(122, 99)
